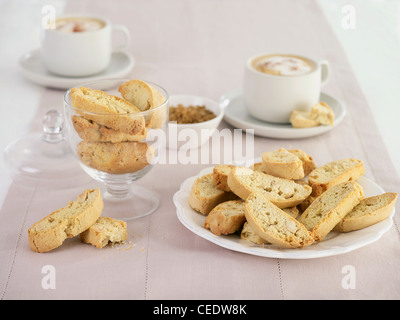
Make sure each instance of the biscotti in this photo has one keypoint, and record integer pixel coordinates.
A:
(248, 233)
(368, 212)
(301, 119)
(323, 114)
(110, 111)
(281, 163)
(117, 158)
(105, 231)
(50, 232)
(226, 218)
(335, 172)
(139, 93)
(92, 131)
(326, 211)
(281, 192)
(307, 160)
(274, 225)
(220, 176)
(204, 195)
(145, 97)
(320, 114)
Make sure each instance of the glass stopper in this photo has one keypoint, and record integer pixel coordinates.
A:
(52, 127)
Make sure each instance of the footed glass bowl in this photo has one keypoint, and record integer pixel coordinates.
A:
(116, 146)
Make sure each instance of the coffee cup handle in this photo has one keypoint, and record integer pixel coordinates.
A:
(325, 71)
(127, 36)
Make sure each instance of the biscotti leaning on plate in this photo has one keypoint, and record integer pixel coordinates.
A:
(72, 220)
(368, 212)
(326, 211)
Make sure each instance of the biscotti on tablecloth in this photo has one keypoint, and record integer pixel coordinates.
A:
(50, 232)
(80, 217)
(105, 231)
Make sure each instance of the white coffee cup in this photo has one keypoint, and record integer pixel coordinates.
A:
(271, 97)
(77, 54)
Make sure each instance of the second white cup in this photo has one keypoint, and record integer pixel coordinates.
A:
(271, 97)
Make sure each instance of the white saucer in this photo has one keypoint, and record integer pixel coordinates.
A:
(32, 67)
(237, 116)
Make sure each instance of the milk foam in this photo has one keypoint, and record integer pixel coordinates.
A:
(283, 65)
(78, 25)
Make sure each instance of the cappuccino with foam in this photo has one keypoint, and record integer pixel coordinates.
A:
(282, 65)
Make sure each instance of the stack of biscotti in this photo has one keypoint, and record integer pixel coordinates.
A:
(270, 195)
(113, 129)
(79, 217)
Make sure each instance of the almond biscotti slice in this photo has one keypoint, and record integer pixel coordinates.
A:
(226, 218)
(139, 93)
(204, 195)
(92, 131)
(274, 225)
(248, 233)
(50, 232)
(326, 211)
(301, 119)
(220, 176)
(323, 114)
(116, 158)
(105, 231)
(308, 161)
(283, 164)
(281, 192)
(110, 111)
(145, 97)
(368, 212)
(335, 172)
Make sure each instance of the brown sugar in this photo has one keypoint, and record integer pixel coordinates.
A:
(191, 114)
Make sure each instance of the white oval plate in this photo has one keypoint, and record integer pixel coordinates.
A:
(32, 68)
(334, 243)
(237, 116)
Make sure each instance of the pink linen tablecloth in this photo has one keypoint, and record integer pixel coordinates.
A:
(199, 47)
